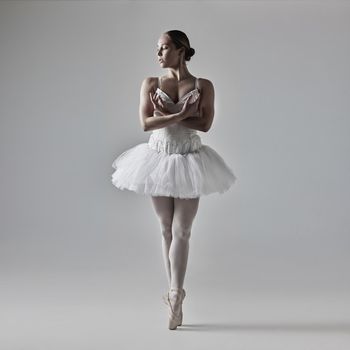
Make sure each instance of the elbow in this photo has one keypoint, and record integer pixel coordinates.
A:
(144, 126)
(206, 127)
(206, 123)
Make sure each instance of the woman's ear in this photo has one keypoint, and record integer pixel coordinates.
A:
(182, 51)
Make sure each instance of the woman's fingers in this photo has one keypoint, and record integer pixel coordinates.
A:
(154, 100)
(187, 103)
(190, 108)
(151, 97)
(158, 103)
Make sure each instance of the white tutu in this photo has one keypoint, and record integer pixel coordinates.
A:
(147, 171)
(173, 163)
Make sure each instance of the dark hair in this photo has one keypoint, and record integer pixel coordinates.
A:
(180, 39)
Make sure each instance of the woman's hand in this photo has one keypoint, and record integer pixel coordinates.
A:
(158, 104)
(188, 109)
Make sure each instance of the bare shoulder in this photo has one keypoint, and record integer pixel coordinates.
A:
(149, 84)
(205, 84)
(206, 89)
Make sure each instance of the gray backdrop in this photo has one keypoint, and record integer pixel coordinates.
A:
(81, 264)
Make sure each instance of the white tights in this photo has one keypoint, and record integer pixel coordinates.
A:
(176, 217)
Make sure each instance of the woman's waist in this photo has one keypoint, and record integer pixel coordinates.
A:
(174, 142)
(174, 132)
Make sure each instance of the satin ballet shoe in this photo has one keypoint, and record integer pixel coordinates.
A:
(173, 299)
(165, 297)
(166, 302)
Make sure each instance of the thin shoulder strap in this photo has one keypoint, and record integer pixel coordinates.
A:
(196, 84)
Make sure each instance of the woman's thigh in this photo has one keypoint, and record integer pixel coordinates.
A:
(185, 211)
(164, 208)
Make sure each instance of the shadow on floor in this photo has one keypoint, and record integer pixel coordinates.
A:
(307, 327)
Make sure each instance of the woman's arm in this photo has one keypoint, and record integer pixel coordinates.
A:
(197, 123)
(157, 122)
(146, 110)
(206, 108)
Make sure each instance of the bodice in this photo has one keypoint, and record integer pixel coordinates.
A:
(175, 138)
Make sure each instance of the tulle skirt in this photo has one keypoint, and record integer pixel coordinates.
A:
(149, 172)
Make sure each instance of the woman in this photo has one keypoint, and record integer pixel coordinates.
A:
(174, 167)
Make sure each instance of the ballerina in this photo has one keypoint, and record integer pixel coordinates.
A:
(174, 168)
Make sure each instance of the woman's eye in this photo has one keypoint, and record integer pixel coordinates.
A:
(164, 48)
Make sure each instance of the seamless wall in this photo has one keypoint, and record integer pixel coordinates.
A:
(70, 83)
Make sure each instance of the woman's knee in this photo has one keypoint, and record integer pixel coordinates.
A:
(166, 230)
(181, 231)
(184, 213)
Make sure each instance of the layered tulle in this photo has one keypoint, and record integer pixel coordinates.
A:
(147, 171)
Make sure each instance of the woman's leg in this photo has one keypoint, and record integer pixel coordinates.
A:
(164, 207)
(184, 213)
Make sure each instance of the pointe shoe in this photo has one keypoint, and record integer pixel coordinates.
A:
(173, 299)
(165, 299)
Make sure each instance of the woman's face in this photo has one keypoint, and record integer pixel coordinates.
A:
(167, 54)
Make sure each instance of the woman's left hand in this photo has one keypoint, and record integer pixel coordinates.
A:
(158, 104)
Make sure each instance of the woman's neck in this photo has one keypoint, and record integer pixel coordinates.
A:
(179, 73)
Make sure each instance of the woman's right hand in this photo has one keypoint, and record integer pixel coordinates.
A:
(188, 109)
(158, 104)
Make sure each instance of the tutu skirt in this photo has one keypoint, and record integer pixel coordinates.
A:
(152, 171)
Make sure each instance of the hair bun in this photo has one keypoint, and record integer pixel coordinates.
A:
(191, 51)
